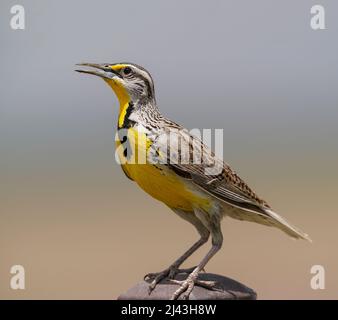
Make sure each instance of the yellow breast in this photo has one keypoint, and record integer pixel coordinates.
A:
(158, 180)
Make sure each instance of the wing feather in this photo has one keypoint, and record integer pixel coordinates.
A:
(222, 183)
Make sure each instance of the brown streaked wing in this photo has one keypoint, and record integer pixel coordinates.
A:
(226, 186)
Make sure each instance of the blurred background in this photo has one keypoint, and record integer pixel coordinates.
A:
(256, 69)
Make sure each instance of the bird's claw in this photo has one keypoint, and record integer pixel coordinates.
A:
(158, 276)
(187, 285)
(169, 273)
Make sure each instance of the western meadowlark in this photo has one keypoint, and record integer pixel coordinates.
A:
(202, 198)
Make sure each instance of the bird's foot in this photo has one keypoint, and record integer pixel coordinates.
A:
(187, 285)
(169, 273)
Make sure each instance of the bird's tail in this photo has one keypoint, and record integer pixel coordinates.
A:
(285, 226)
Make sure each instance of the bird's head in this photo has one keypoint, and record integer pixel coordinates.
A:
(129, 81)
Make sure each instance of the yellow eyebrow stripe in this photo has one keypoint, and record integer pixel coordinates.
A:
(118, 66)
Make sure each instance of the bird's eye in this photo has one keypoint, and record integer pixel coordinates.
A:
(127, 70)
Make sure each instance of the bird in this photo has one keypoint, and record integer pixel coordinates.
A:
(194, 190)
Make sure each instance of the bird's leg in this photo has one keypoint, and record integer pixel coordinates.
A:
(186, 286)
(172, 270)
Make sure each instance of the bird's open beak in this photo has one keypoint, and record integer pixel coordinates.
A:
(101, 70)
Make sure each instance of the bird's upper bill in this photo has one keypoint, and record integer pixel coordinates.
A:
(103, 70)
